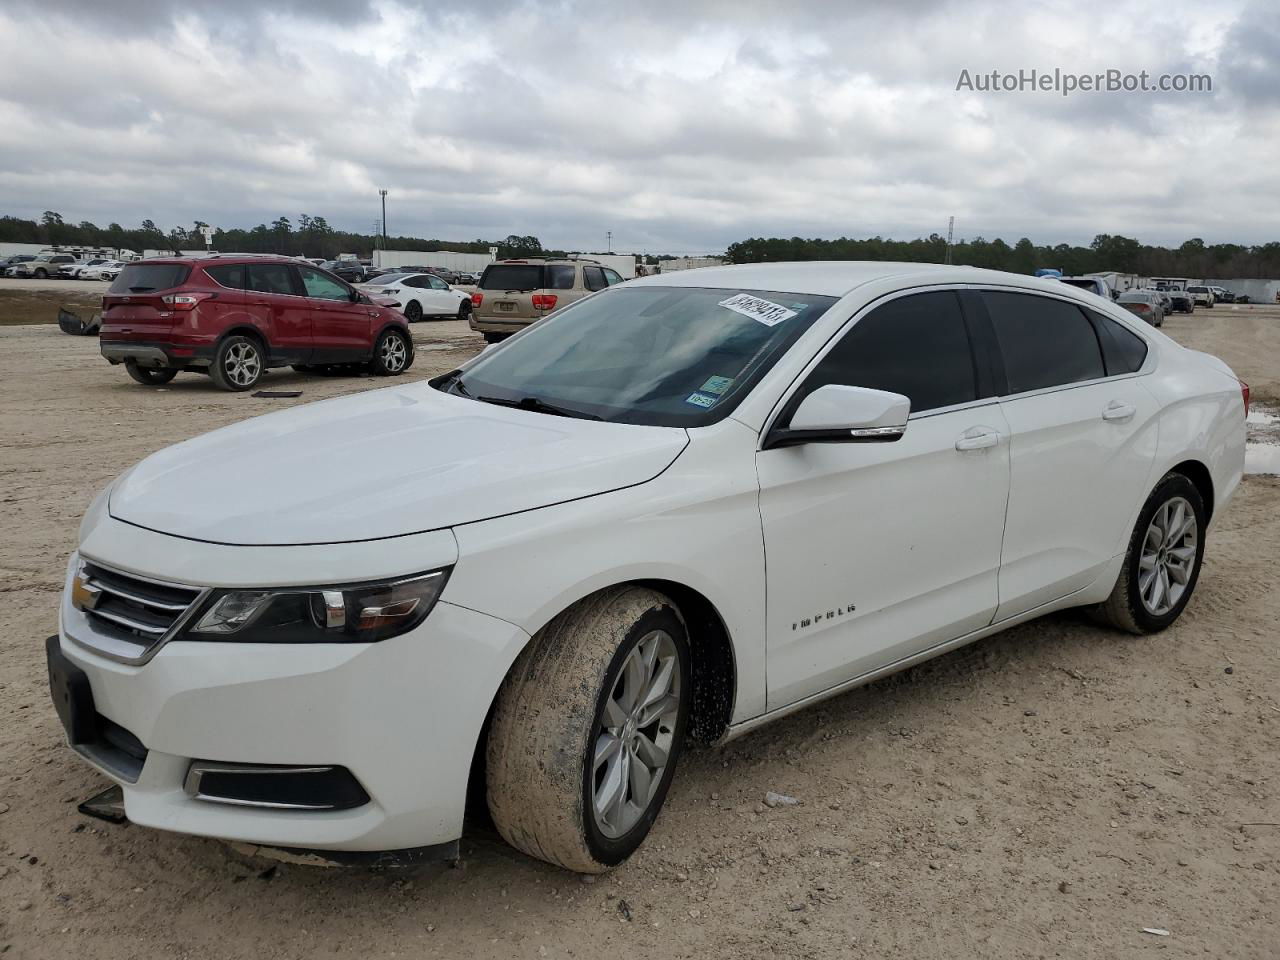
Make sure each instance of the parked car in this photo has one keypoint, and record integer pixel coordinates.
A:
(349, 270)
(1202, 295)
(107, 270)
(1094, 285)
(233, 317)
(534, 578)
(8, 264)
(419, 295)
(1145, 304)
(516, 293)
(1180, 301)
(1222, 295)
(42, 266)
(73, 271)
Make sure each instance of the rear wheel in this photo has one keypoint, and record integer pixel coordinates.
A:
(41, 274)
(392, 354)
(239, 363)
(413, 311)
(495, 337)
(587, 730)
(151, 376)
(1162, 564)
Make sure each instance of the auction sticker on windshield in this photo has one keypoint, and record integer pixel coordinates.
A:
(757, 308)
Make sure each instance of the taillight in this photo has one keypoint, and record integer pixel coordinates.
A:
(185, 301)
(1244, 393)
(477, 299)
(544, 301)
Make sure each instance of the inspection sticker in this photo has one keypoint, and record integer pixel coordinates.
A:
(701, 399)
(716, 385)
(763, 311)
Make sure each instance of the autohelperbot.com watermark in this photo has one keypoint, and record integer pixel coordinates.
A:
(1065, 83)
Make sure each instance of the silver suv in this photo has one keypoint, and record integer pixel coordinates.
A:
(515, 293)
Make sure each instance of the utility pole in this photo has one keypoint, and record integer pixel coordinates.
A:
(951, 229)
(608, 241)
(383, 194)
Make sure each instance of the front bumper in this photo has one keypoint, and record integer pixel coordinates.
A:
(404, 716)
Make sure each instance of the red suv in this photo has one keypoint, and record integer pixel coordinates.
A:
(232, 317)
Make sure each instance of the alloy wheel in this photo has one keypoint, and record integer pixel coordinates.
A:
(242, 364)
(634, 739)
(1168, 557)
(394, 353)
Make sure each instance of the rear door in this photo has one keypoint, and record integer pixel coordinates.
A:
(274, 298)
(1083, 441)
(133, 308)
(341, 326)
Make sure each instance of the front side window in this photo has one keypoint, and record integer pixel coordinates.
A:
(1044, 342)
(593, 278)
(659, 356)
(323, 287)
(437, 283)
(915, 345)
(612, 276)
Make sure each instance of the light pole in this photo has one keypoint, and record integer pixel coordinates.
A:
(383, 194)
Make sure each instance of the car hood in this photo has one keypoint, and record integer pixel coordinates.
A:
(382, 464)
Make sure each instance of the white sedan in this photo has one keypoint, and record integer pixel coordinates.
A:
(419, 295)
(679, 508)
(104, 270)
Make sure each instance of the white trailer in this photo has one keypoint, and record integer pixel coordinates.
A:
(448, 259)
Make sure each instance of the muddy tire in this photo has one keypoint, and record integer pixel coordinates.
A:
(584, 740)
(150, 376)
(1162, 564)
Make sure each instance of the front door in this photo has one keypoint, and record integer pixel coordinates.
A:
(340, 326)
(877, 551)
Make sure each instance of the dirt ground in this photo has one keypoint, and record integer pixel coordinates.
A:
(37, 301)
(1048, 792)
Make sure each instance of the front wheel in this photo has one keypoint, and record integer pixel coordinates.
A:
(392, 354)
(1162, 564)
(587, 730)
(238, 364)
(41, 275)
(150, 376)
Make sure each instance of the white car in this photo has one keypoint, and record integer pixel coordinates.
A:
(538, 575)
(106, 270)
(419, 295)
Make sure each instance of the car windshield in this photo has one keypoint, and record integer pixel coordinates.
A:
(387, 279)
(659, 356)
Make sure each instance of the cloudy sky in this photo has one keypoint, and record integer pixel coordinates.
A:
(678, 126)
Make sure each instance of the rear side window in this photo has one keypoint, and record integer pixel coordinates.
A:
(512, 276)
(145, 277)
(559, 277)
(1122, 350)
(271, 278)
(593, 278)
(228, 275)
(915, 345)
(1044, 342)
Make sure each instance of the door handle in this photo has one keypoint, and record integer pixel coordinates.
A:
(977, 438)
(1118, 412)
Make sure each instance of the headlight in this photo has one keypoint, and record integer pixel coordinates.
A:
(356, 613)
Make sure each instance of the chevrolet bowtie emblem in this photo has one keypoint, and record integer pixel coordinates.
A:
(84, 596)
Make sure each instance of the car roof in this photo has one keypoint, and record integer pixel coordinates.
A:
(835, 278)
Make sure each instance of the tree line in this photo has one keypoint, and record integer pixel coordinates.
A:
(1194, 258)
(311, 237)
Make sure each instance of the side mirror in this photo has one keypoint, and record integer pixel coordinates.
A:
(839, 414)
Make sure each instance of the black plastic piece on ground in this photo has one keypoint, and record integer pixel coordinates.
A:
(107, 805)
(274, 394)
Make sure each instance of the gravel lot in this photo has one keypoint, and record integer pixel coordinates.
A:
(1048, 792)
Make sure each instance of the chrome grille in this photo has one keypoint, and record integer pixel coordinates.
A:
(138, 612)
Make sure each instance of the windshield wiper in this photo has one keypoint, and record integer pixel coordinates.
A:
(537, 405)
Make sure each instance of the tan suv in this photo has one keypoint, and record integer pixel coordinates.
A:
(512, 294)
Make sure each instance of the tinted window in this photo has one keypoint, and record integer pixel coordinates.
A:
(1122, 350)
(270, 278)
(559, 277)
(437, 283)
(593, 278)
(323, 287)
(915, 345)
(1044, 342)
(512, 276)
(145, 277)
(612, 276)
(228, 275)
